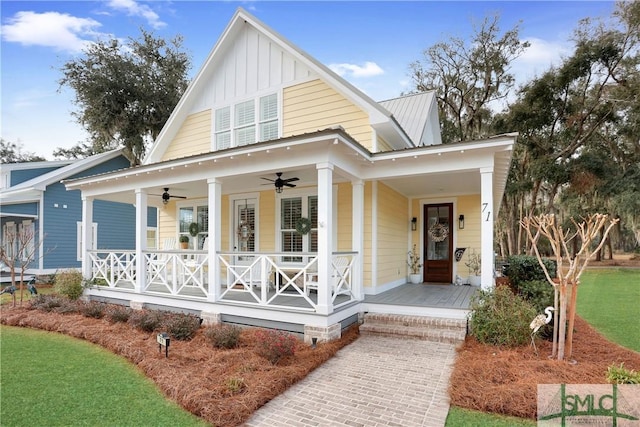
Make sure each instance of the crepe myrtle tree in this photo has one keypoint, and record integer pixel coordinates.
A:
(19, 249)
(570, 265)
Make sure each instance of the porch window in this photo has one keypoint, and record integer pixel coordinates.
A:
(291, 210)
(186, 218)
(246, 122)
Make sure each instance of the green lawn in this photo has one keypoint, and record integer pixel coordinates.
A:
(609, 299)
(54, 380)
(459, 417)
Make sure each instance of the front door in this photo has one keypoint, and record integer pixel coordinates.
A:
(438, 249)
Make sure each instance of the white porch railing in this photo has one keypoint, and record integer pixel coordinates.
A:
(282, 280)
(177, 272)
(110, 268)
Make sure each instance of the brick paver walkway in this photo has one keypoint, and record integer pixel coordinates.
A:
(375, 381)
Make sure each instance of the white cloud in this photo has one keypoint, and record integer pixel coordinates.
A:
(539, 57)
(132, 8)
(369, 69)
(52, 29)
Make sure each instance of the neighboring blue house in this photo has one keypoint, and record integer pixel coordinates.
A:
(31, 195)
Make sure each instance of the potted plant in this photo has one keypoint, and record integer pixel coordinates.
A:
(184, 241)
(414, 266)
(473, 264)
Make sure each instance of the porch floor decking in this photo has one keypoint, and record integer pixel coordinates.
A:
(426, 295)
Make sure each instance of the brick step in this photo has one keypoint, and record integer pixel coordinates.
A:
(420, 327)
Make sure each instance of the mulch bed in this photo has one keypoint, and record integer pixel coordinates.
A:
(504, 381)
(196, 375)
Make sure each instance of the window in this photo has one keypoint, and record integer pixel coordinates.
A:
(248, 126)
(94, 239)
(291, 210)
(245, 130)
(186, 218)
(27, 237)
(223, 128)
(152, 238)
(268, 117)
(9, 239)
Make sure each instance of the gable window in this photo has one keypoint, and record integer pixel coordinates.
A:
(223, 128)
(247, 122)
(268, 117)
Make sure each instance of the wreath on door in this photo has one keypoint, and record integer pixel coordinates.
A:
(194, 229)
(438, 232)
(303, 226)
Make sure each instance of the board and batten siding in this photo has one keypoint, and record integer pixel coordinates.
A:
(314, 105)
(194, 137)
(252, 65)
(393, 214)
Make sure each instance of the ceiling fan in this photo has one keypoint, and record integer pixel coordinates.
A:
(166, 196)
(279, 183)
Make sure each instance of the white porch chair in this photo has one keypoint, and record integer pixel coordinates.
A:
(169, 244)
(252, 276)
(159, 264)
(195, 266)
(339, 276)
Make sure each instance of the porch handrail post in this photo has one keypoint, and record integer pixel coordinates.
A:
(325, 237)
(486, 227)
(357, 237)
(87, 234)
(141, 239)
(215, 237)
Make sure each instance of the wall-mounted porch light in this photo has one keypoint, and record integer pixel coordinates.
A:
(461, 222)
(414, 223)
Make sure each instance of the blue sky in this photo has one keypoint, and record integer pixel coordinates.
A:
(371, 43)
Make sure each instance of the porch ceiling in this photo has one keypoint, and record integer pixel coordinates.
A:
(452, 169)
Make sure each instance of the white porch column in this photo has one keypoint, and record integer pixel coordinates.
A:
(87, 236)
(325, 236)
(141, 239)
(215, 237)
(357, 236)
(486, 227)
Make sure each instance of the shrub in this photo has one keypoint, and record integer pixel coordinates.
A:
(118, 313)
(146, 320)
(46, 302)
(223, 336)
(69, 284)
(539, 293)
(499, 317)
(67, 306)
(274, 345)
(622, 375)
(182, 327)
(523, 268)
(92, 309)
